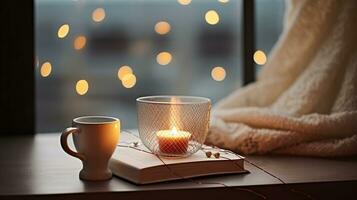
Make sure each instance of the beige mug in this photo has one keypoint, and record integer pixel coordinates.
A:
(95, 139)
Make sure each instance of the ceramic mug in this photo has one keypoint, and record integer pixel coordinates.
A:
(95, 139)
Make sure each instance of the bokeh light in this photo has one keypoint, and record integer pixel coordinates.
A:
(223, 1)
(98, 15)
(129, 80)
(184, 2)
(63, 31)
(82, 87)
(164, 58)
(212, 17)
(79, 42)
(218, 73)
(162, 27)
(46, 69)
(259, 57)
(123, 71)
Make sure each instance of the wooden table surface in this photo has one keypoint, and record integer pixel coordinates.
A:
(35, 167)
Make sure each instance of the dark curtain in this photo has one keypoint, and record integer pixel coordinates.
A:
(17, 68)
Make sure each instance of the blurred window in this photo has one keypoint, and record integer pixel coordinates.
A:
(97, 57)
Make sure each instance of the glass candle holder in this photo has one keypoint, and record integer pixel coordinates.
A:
(174, 126)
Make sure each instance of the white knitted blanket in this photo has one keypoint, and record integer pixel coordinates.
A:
(305, 99)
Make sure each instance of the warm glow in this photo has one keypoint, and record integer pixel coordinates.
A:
(174, 131)
(46, 69)
(174, 111)
(162, 27)
(129, 80)
(164, 58)
(223, 1)
(218, 73)
(173, 134)
(82, 87)
(79, 42)
(173, 141)
(212, 17)
(260, 57)
(175, 100)
(63, 31)
(98, 15)
(184, 2)
(123, 71)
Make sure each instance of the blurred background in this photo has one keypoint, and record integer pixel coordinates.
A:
(95, 57)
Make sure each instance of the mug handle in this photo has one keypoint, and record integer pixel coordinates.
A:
(64, 143)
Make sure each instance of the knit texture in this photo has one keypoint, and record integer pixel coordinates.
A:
(304, 101)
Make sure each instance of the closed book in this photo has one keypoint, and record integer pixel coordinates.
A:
(135, 163)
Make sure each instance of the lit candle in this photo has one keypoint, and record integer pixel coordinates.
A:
(173, 141)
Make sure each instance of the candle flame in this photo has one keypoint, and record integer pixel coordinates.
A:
(174, 131)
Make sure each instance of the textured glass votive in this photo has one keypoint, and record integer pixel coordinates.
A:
(173, 125)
